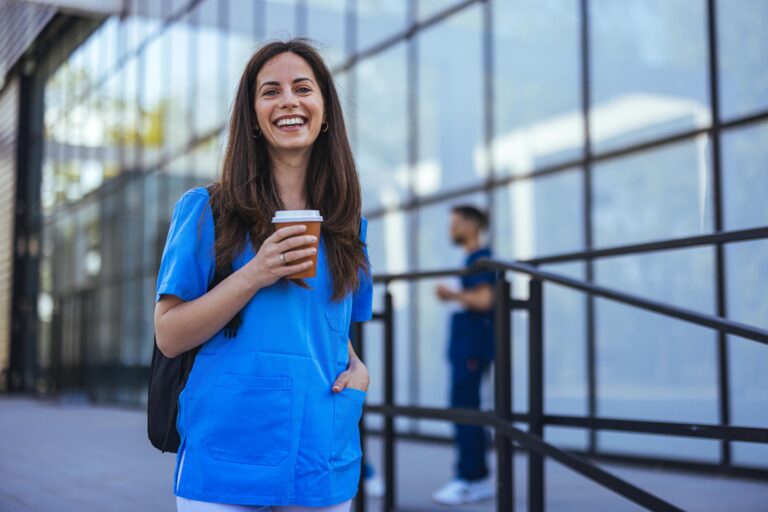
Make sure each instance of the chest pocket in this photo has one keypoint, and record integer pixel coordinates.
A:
(339, 313)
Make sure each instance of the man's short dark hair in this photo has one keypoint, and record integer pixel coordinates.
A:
(473, 214)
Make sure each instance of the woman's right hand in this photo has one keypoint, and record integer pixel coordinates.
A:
(267, 266)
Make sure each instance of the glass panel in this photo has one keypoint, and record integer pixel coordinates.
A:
(178, 62)
(428, 8)
(681, 277)
(539, 216)
(382, 128)
(565, 343)
(128, 126)
(747, 271)
(143, 21)
(645, 364)
(656, 194)
(379, 19)
(745, 176)
(326, 26)
(209, 99)
(280, 17)
(205, 161)
(155, 103)
(742, 57)
(242, 40)
(537, 101)
(648, 71)
(645, 370)
(450, 105)
(388, 250)
(436, 250)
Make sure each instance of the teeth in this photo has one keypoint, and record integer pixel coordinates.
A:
(290, 121)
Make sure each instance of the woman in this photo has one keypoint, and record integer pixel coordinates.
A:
(268, 418)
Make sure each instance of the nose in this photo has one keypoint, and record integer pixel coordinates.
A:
(288, 100)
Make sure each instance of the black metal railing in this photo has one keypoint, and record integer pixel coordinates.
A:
(502, 419)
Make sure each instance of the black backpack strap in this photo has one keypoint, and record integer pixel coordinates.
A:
(230, 330)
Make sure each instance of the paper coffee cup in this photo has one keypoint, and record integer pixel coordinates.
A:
(310, 218)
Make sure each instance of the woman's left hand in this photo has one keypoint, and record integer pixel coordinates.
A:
(355, 376)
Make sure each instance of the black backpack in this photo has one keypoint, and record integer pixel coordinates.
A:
(168, 376)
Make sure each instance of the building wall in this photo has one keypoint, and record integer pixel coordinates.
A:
(579, 124)
(9, 124)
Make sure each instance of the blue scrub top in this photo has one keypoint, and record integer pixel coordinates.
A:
(257, 419)
(471, 333)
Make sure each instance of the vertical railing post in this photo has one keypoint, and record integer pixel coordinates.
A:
(389, 400)
(357, 342)
(535, 393)
(505, 482)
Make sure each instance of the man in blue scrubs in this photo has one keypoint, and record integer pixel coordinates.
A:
(470, 354)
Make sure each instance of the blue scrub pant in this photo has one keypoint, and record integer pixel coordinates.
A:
(470, 440)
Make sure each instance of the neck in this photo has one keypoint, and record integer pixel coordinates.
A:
(472, 244)
(290, 171)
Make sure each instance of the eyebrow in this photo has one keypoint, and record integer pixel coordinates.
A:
(295, 80)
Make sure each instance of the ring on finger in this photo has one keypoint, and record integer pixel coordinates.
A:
(282, 257)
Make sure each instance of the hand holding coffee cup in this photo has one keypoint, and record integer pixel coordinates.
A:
(311, 219)
(285, 252)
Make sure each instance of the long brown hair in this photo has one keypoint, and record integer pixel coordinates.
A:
(246, 195)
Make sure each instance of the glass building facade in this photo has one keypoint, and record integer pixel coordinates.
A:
(579, 125)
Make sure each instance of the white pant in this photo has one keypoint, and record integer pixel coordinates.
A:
(185, 505)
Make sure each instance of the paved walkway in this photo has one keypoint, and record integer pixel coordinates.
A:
(76, 457)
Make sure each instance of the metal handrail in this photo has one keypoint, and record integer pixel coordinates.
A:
(715, 322)
(502, 419)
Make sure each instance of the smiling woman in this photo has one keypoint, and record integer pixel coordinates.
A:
(268, 417)
(289, 106)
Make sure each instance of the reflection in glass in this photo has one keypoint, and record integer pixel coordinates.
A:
(681, 277)
(326, 27)
(378, 19)
(242, 35)
(388, 252)
(205, 159)
(382, 128)
(565, 384)
(645, 370)
(450, 105)
(280, 16)
(208, 102)
(648, 70)
(657, 194)
(745, 176)
(427, 8)
(537, 85)
(742, 57)
(645, 367)
(436, 250)
(177, 61)
(746, 265)
(154, 103)
(539, 216)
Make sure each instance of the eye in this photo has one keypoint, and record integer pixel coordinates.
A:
(269, 92)
(303, 89)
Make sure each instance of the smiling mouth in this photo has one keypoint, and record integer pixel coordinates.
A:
(290, 122)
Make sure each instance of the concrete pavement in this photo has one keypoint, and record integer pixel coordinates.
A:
(76, 457)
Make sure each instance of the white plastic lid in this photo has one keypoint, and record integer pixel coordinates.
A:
(297, 216)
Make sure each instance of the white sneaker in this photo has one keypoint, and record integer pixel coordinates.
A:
(462, 492)
(374, 487)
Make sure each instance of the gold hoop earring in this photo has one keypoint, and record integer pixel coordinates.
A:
(324, 129)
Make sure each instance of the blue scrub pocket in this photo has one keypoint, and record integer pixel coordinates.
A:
(345, 438)
(338, 314)
(250, 420)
